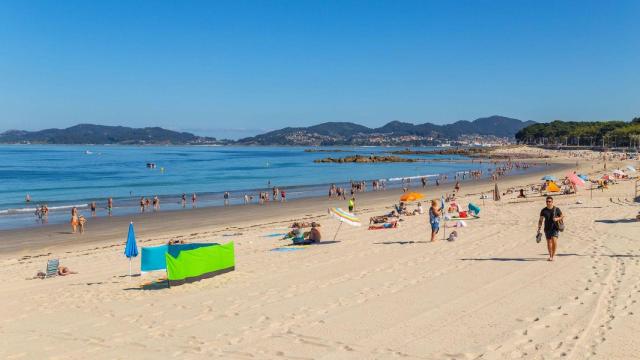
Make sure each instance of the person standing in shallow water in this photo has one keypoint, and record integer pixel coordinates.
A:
(551, 216)
(109, 205)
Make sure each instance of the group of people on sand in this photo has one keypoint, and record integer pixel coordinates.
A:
(301, 237)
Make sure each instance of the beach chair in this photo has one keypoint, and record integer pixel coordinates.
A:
(52, 268)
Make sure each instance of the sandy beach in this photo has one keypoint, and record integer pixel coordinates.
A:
(379, 294)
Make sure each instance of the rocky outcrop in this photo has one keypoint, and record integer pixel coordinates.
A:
(365, 159)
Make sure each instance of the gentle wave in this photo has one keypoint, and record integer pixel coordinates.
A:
(51, 208)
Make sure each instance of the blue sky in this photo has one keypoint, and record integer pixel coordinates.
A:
(239, 67)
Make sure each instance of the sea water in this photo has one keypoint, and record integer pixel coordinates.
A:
(63, 176)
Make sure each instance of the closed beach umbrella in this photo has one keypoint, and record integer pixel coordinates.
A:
(549, 178)
(496, 193)
(411, 196)
(131, 248)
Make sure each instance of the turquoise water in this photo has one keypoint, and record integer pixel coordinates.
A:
(64, 176)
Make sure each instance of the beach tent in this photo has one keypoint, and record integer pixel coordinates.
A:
(474, 209)
(188, 264)
(411, 196)
(583, 177)
(549, 178)
(153, 257)
(631, 168)
(552, 187)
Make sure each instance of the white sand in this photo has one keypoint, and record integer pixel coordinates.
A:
(373, 295)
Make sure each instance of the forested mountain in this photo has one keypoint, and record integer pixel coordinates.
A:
(594, 133)
(336, 133)
(100, 134)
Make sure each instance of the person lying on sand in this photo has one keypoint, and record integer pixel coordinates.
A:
(386, 225)
(379, 219)
(175, 242)
(63, 271)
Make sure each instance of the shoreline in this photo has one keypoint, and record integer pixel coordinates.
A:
(103, 228)
(23, 217)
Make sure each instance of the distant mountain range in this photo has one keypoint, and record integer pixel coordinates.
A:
(329, 133)
(393, 133)
(100, 134)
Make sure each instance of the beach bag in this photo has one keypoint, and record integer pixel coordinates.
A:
(561, 222)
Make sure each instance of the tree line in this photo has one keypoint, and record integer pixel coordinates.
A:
(575, 133)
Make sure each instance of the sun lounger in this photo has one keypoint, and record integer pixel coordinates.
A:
(52, 268)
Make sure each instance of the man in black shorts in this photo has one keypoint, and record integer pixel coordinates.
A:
(551, 215)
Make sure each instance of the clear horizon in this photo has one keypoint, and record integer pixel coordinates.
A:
(241, 68)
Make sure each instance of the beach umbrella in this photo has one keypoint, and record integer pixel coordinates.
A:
(344, 217)
(411, 196)
(631, 168)
(618, 172)
(575, 180)
(549, 178)
(131, 248)
(496, 193)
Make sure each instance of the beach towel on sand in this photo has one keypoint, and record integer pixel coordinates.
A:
(287, 249)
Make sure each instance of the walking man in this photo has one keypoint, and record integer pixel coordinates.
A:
(552, 217)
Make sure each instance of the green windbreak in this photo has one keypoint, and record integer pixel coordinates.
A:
(200, 263)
